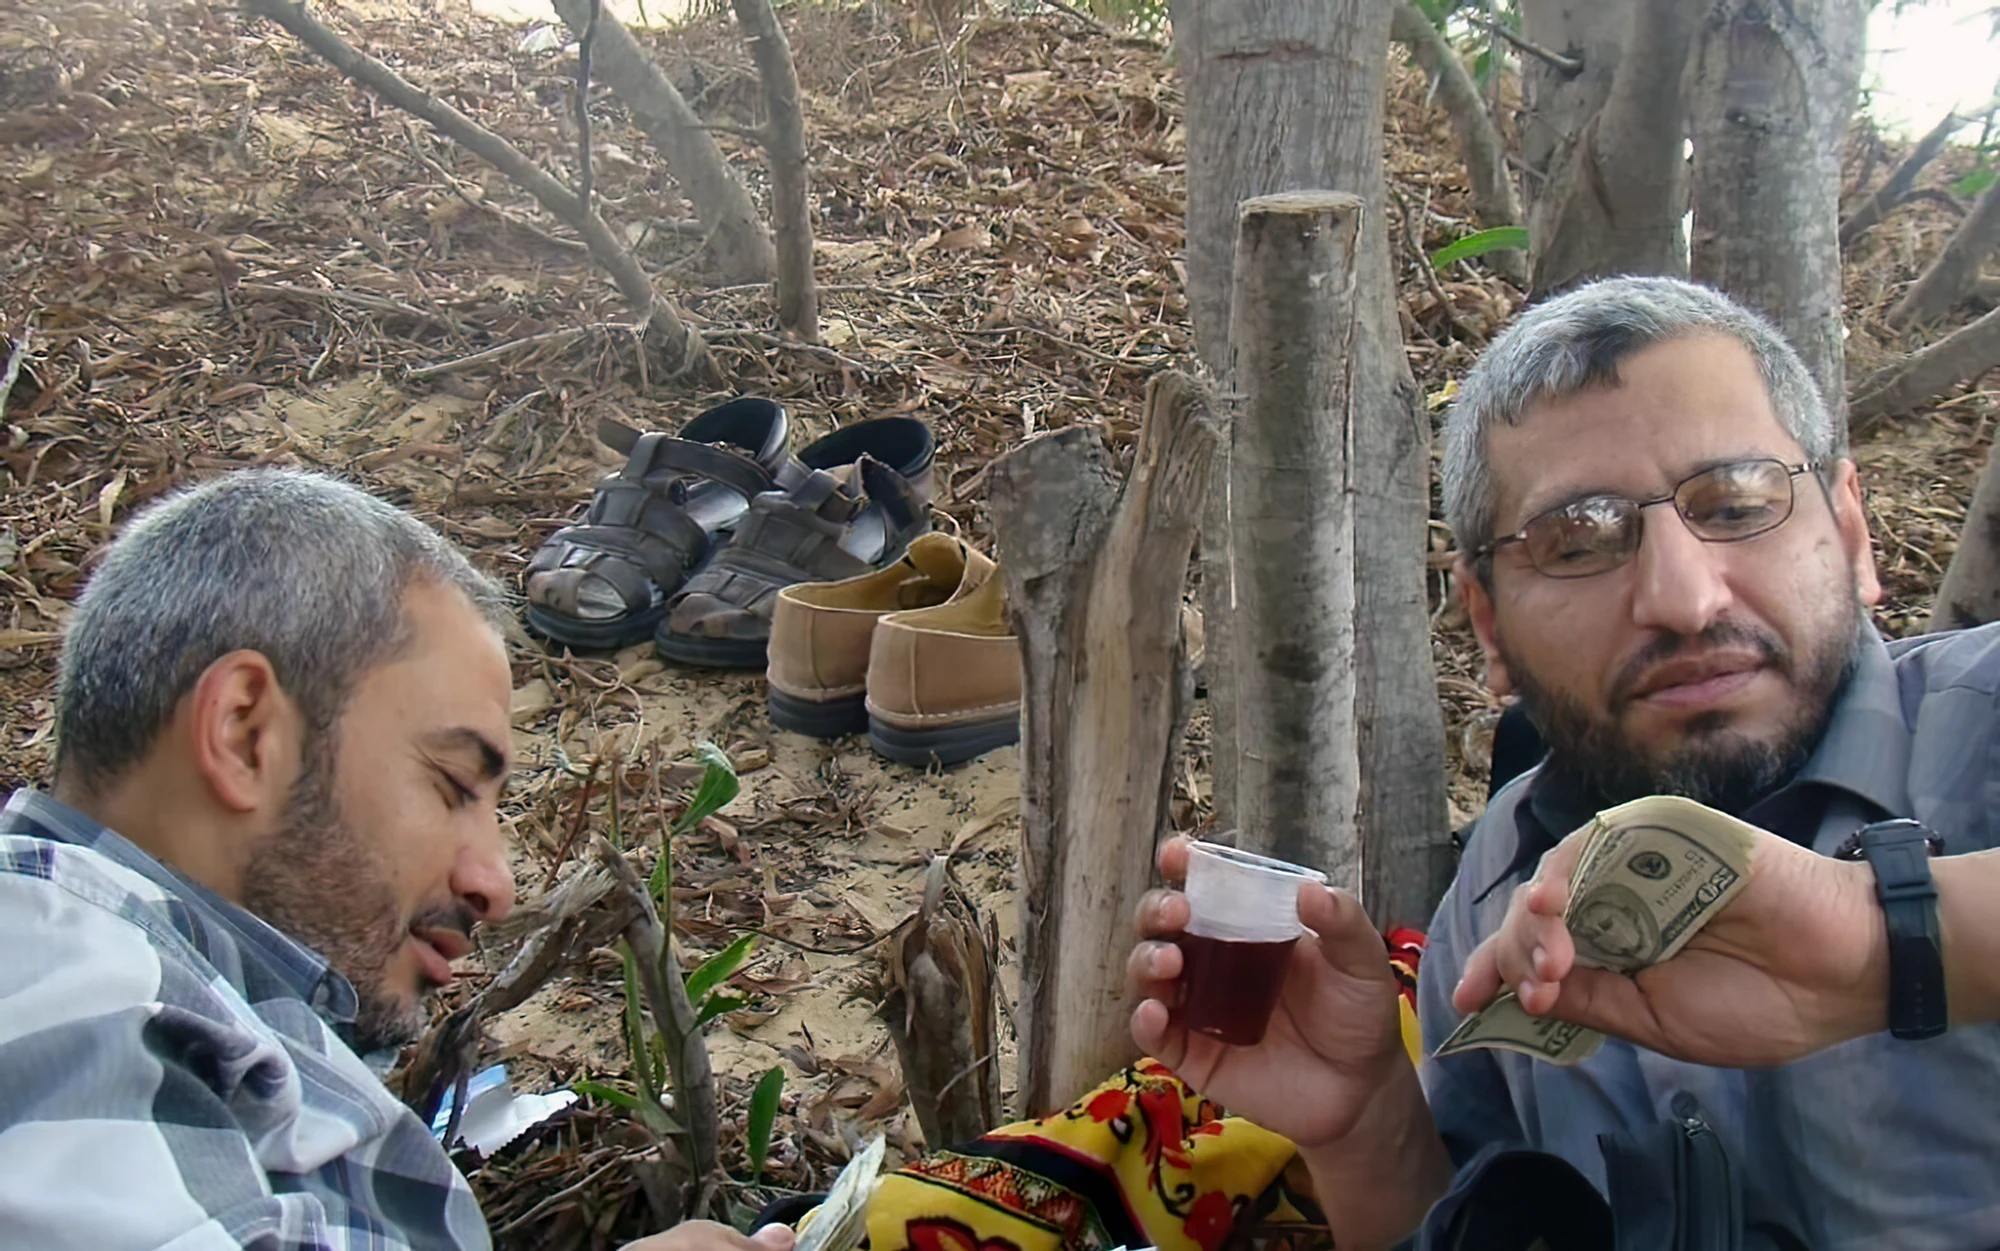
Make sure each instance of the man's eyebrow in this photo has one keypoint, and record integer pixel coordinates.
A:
(492, 760)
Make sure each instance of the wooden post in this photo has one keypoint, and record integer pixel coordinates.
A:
(1094, 576)
(1291, 529)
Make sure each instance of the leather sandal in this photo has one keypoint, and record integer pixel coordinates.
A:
(606, 581)
(850, 504)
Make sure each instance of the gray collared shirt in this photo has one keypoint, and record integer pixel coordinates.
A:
(173, 1071)
(1875, 1143)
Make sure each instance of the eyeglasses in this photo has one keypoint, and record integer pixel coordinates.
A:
(1726, 504)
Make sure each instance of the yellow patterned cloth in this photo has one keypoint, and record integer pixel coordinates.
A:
(1141, 1161)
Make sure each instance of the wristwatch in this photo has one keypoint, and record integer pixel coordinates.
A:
(1899, 851)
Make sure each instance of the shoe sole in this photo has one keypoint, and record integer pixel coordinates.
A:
(947, 745)
(595, 635)
(831, 718)
(707, 653)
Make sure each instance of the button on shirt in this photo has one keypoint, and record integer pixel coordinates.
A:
(172, 1072)
(1874, 1143)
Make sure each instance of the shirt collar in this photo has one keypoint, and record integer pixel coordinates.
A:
(1865, 751)
(297, 967)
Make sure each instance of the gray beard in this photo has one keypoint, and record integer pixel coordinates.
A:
(315, 881)
(1712, 764)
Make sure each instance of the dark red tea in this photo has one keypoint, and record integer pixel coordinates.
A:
(1228, 989)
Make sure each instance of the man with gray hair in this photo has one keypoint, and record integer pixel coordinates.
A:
(289, 700)
(1665, 556)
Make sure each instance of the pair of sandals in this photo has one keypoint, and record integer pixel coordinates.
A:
(690, 543)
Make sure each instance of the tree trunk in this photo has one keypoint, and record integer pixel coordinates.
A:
(1287, 97)
(736, 236)
(1608, 141)
(1094, 590)
(1771, 95)
(1960, 356)
(663, 335)
(1291, 529)
(1479, 143)
(785, 146)
(1970, 593)
(1955, 273)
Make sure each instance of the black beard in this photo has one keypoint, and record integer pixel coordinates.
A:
(1712, 763)
(315, 881)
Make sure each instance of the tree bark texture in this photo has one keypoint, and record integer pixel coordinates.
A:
(1480, 146)
(736, 235)
(1608, 142)
(1289, 97)
(663, 334)
(1771, 92)
(1900, 180)
(1960, 356)
(1094, 576)
(785, 146)
(1955, 273)
(1291, 529)
(1970, 592)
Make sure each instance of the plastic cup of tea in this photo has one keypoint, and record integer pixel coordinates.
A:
(1237, 947)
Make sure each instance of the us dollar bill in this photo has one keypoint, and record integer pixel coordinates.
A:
(1657, 869)
(1651, 874)
(1505, 1024)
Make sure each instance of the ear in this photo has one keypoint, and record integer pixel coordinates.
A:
(1479, 607)
(1850, 517)
(244, 733)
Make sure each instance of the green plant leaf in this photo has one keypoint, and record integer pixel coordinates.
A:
(763, 1113)
(1498, 239)
(715, 1005)
(718, 786)
(608, 1094)
(1433, 11)
(636, 1047)
(716, 969)
(1975, 182)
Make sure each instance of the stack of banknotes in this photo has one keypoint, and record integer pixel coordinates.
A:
(1652, 873)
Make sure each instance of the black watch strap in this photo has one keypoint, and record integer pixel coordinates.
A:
(1900, 853)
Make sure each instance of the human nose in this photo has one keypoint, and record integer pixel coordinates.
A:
(1680, 586)
(481, 878)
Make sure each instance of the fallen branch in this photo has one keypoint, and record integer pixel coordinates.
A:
(736, 237)
(785, 150)
(1959, 357)
(680, 350)
(1896, 187)
(501, 352)
(1955, 273)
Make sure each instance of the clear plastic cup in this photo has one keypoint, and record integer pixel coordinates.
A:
(1243, 919)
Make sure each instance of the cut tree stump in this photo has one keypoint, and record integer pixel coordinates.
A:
(1094, 577)
(1290, 562)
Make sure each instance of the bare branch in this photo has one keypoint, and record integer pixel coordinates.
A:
(785, 152)
(1894, 189)
(583, 45)
(1955, 273)
(1569, 65)
(1959, 357)
(681, 349)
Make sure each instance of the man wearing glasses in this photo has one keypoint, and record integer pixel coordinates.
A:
(1666, 558)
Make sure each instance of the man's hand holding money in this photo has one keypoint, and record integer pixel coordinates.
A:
(1794, 960)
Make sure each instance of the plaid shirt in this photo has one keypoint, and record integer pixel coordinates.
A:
(173, 1074)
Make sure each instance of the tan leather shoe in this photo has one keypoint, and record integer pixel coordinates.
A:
(821, 632)
(944, 683)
